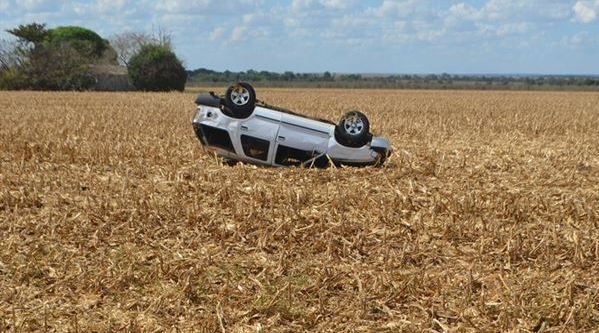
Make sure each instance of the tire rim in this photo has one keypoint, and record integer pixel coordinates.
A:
(353, 125)
(240, 96)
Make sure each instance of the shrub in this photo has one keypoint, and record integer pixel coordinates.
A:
(11, 79)
(156, 68)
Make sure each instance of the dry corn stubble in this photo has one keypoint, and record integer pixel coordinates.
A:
(485, 219)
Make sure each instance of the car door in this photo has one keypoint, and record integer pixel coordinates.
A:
(257, 136)
(299, 140)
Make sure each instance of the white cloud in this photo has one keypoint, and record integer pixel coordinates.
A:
(335, 4)
(391, 8)
(205, 7)
(4, 5)
(511, 29)
(291, 22)
(302, 5)
(36, 5)
(513, 10)
(586, 11)
(425, 21)
(576, 40)
(105, 6)
(462, 11)
(501, 9)
(238, 34)
(298, 5)
(181, 6)
(249, 18)
(217, 33)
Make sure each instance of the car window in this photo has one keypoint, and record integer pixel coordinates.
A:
(255, 148)
(288, 156)
(217, 137)
(198, 130)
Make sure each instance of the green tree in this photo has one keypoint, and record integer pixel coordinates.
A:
(58, 66)
(55, 59)
(33, 33)
(85, 41)
(288, 76)
(156, 68)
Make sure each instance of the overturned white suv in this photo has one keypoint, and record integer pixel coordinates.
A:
(238, 127)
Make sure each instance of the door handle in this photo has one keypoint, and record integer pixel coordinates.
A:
(244, 128)
(281, 138)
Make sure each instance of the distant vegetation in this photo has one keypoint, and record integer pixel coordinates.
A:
(76, 58)
(83, 40)
(50, 59)
(206, 77)
(156, 68)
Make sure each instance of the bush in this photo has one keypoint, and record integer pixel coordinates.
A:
(156, 68)
(11, 79)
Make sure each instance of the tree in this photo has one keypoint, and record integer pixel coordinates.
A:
(33, 33)
(156, 68)
(58, 66)
(50, 59)
(127, 44)
(85, 41)
(10, 60)
(9, 57)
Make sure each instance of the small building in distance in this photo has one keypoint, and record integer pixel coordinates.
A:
(111, 77)
(109, 74)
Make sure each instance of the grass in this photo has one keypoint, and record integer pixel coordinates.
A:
(485, 218)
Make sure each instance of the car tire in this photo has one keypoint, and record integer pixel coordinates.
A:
(240, 99)
(353, 130)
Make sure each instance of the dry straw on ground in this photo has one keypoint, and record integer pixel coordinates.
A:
(485, 219)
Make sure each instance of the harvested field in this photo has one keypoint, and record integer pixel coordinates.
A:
(486, 218)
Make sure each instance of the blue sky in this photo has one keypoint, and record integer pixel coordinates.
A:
(368, 36)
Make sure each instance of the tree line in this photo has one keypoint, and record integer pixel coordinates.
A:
(71, 58)
(202, 76)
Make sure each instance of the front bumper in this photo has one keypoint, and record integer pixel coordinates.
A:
(381, 146)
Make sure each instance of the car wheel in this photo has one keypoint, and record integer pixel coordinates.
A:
(353, 130)
(241, 99)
